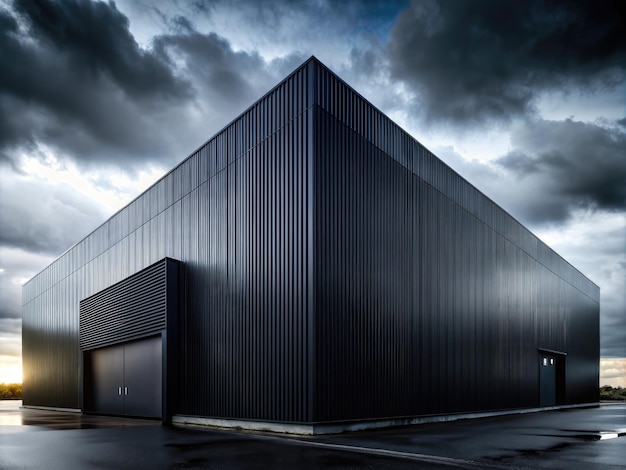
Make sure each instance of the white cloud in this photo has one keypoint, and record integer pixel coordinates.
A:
(109, 190)
(613, 372)
(10, 369)
(10, 350)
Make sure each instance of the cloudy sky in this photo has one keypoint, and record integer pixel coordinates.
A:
(527, 100)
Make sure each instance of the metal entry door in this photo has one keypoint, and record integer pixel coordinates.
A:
(547, 380)
(127, 379)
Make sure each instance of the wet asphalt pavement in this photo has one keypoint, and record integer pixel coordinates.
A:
(573, 439)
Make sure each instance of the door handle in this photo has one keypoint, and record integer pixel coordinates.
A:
(125, 390)
(119, 390)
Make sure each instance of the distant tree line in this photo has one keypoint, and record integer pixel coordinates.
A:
(10, 391)
(14, 392)
(609, 393)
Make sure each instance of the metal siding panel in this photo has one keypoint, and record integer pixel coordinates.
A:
(362, 333)
(480, 311)
(237, 324)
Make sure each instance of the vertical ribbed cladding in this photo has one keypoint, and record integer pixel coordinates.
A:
(365, 253)
(244, 342)
(429, 298)
(236, 214)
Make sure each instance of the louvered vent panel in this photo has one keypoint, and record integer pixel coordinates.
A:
(132, 308)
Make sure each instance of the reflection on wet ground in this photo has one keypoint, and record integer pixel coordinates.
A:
(13, 414)
(573, 439)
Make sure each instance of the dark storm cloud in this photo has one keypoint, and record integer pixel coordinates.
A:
(554, 169)
(8, 45)
(77, 86)
(225, 81)
(582, 164)
(612, 334)
(96, 40)
(474, 61)
(226, 75)
(74, 79)
(77, 80)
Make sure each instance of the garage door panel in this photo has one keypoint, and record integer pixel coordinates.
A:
(143, 378)
(107, 366)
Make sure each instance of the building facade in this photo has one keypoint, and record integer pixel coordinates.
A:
(312, 265)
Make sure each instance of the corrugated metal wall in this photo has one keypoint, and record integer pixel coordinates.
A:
(236, 214)
(333, 269)
(429, 298)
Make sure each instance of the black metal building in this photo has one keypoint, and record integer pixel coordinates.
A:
(311, 267)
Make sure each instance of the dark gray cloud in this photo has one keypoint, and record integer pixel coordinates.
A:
(107, 100)
(579, 164)
(554, 169)
(225, 80)
(76, 79)
(95, 39)
(73, 78)
(612, 327)
(470, 62)
(75, 84)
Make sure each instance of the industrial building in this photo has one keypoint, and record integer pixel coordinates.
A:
(311, 268)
